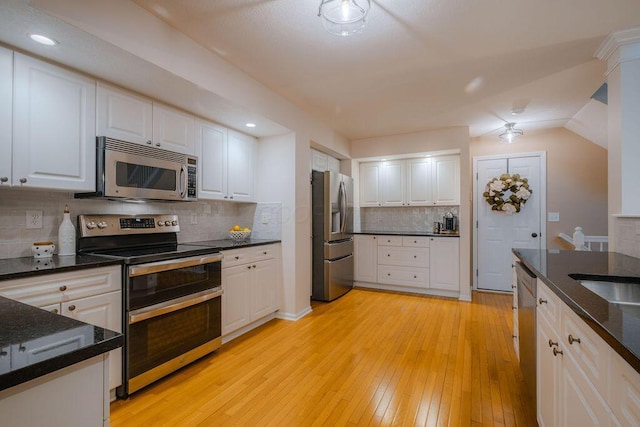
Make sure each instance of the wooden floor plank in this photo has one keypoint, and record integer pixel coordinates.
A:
(368, 358)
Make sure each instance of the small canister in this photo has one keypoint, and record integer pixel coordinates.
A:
(43, 249)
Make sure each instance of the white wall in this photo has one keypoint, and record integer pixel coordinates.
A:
(435, 140)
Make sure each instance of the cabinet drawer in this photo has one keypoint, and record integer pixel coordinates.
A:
(410, 257)
(57, 287)
(235, 257)
(415, 241)
(408, 276)
(263, 252)
(548, 304)
(625, 391)
(389, 240)
(587, 348)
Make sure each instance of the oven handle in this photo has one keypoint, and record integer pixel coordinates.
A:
(171, 306)
(172, 264)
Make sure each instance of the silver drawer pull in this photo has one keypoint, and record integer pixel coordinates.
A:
(542, 301)
(72, 307)
(63, 288)
(552, 344)
(557, 352)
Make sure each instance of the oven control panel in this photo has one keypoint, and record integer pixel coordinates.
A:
(114, 224)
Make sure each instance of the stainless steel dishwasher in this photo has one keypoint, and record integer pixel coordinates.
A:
(527, 326)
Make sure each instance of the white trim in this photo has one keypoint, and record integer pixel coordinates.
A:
(407, 289)
(543, 202)
(296, 316)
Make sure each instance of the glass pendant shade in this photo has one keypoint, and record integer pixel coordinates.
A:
(344, 17)
(510, 134)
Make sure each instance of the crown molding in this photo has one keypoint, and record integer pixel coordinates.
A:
(611, 48)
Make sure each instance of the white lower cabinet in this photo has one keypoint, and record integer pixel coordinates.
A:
(573, 370)
(92, 296)
(422, 264)
(251, 279)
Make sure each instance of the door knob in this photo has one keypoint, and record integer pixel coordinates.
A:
(534, 235)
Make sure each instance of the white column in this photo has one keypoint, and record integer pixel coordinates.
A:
(621, 50)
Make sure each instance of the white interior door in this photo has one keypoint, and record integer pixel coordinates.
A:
(498, 233)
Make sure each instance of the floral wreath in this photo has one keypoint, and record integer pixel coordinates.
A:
(519, 188)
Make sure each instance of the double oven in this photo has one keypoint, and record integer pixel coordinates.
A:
(172, 293)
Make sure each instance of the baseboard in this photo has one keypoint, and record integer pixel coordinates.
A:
(294, 317)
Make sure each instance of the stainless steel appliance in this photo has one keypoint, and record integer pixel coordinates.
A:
(332, 224)
(125, 170)
(526, 288)
(171, 293)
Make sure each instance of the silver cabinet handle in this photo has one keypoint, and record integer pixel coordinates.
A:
(4, 179)
(72, 307)
(54, 311)
(23, 180)
(63, 288)
(572, 339)
(552, 344)
(557, 352)
(149, 142)
(542, 301)
(157, 144)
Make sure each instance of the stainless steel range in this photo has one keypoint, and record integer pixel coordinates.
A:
(172, 292)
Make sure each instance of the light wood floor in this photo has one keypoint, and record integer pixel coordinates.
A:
(368, 358)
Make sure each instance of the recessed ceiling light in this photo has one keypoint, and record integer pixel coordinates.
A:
(39, 38)
(250, 125)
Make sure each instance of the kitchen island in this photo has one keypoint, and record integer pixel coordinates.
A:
(587, 364)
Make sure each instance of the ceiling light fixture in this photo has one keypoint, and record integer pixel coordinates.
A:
(344, 17)
(511, 133)
(39, 38)
(250, 125)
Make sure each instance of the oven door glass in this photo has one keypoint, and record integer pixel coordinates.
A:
(154, 341)
(152, 288)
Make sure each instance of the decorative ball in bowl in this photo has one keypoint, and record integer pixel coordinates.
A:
(240, 235)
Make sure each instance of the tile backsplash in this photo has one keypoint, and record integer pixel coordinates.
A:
(627, 238)
(202, 220)
(401, 218)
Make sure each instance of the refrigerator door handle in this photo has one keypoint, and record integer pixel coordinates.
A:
(343, 207)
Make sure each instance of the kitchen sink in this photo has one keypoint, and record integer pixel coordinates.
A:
(623, 292)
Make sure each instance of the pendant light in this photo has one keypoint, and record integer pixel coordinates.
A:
(344, 17)
(511, 133)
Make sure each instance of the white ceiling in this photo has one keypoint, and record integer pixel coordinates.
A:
(421, 64)
(416, 64)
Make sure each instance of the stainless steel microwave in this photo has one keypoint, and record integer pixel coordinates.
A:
(125, 170)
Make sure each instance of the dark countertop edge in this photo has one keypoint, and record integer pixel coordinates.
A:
(405, 233)
(613, 342)
(46, 367)
(96, 262)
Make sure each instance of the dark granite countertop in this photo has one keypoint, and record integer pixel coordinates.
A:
(60, 342)
(226, 244)
(16, 268)
(406, 233)
(620, 329)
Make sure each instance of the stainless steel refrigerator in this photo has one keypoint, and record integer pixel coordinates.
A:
(332, 224)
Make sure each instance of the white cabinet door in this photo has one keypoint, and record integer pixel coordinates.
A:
(446, 180)
(173, 129)
(319, 161)
(104, 311)
(547, 375)
(6, 103)
(241, 166)
(211, 149)
(419, 177)
(370, 178)
(393, 183)
(366, 258)
(123, 115)
(264, 289)
(236, 299)
(54, 129)
(444, 259)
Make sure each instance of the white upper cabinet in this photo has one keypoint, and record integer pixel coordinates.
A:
(173, 129)
(130, 117)
(370, 179)
(324, 162)
(123, 115)
(211, 149)
(242, 151)
(54, 128)
(446, 180)
(333, 164)
(6, 102)
(393, 183)
(411, 182)
(419, 178)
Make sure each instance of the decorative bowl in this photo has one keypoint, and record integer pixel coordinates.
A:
(239, 235)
